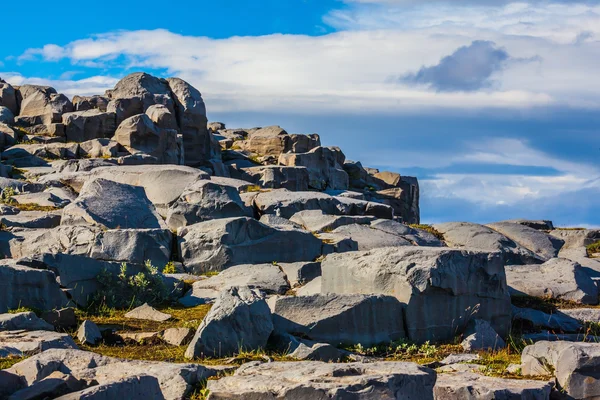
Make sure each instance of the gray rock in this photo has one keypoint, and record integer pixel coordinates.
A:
(475, 236)
(311, 288)
(162, 117)
(317, 220)
(556, 321)
(141, 387)
(341, 319)
(540, 225)
(178, 336)
(369, 238)
(239, 320)
(205, 200)
(20, 186)
(285, 204)
(416, 236)
(148, 313)
(443, 288)
(81, 126)
(278, 222)
(583, 314)
(89, 333)
(302, 349)
(44, 199)
(324, 166)
(8, 97)
(217, 244)
(576, 238)
(467, 385)
(542, 244)
(591, 266)
(558, 279)
(27, 343)
(53, 386)
(32, 220)
(300, 273)
(273, 141)
(481, 336)
(112, 205)
(134, 246)
(337, 243)
(27, 287)
(9, 383)
(43, 102)
(6, 116)
(574, 365)
(278, 177)
(83, 103)
(318, 380)
(558, 337)
(98, 148)
(459, 358)
(26, 321)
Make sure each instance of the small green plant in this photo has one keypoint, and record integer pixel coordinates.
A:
(593, 249)
(169, 268)
(7, 194)
(22, 309)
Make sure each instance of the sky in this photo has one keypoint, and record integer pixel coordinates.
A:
(494, 105)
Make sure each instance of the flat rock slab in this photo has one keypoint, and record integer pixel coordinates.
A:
(148, 313)
(583, 314)
(141, 387)
(316, 380)
(89, 333)
(542, 244)
(32, 220)
(178, 336)
(26, 321)
(473, 386)
(19, 343)
(317, 220)
(369, 238)
(540, 319)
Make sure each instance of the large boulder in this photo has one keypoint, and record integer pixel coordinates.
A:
(81, 126)
(317, 220)
(324, 166)
(278, 177)
(416, 236)
(404, 199)
(443, 288)
(205, 200)
(27, 321)
(140, 387)
(43, 102)
(239, 320)
(138, 134)
(84, 103)
(475, 236)
(341, 319)
(540, 243)
(369, 238)
(8, 97)
(6, 116)
(319, 380)
(285, 204)
(217, 244)
(558, 279)
(112, 205)
(273, 141)
(27, 343)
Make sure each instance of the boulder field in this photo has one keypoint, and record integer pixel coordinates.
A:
(253, 263)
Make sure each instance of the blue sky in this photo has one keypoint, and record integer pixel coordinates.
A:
(494, 105)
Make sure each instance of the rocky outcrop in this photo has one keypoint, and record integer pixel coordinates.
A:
(540, 243)
(324, 165)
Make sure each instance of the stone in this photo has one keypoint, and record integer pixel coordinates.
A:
(369, 238)
(268, 141)
(311, 288)
(218, 244)
(574, 365)
(583, 314)
(540, 243)
(278, 222)
(341, 319)
(6, 116)
(206, 200)
(162, 117)
(20, 186)
(97, 148)
(285, 204)
(133, 246)
(362, 207)
(41, 151)
(112, 205)
(480, 336)
(9, 384)
(591, 266)
(337, 243)
(415, 236)
(239, 320)
(27, 287)
(475, 236)
(278, 177)
(44, 199)
(44, 102)
(8, 136)
(300, 273)
(84, 103)
(302, 349)
(175, 380)
(468, 385)
(540, 225)
(404, 199)
(317, 220)
(53, 386)
(558, 337)
(576, 238)
(216, 126)
(140, 387)
(62, 319)
(8, 97)
(88, 333)
(324, 166)
(178, 336)
(138, 134)
(148, 313)
(81, 126)
(443, 288)
(319, 380)
(140, 337)
(27, 343)
(558, 279)
(32, 220)
(555, 321)
(26, 321)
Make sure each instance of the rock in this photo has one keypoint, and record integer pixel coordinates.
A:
(26, 321)
(217, 244)
(337, 243)
(9, 383)
(138, 134)
(361, 207)
(32, 220)
(43, 102)
(133, 246)
(558, 337)
(443, 288)
(273, 141)
(20, 186)
(583, 314)
(81, 126)
(556, 321)
(53, 386)
(302, 349)
(88, 333)
(62, 319)
(576, 238)
(27, 343)
(324, 166)
(33, 154)
(416, 236)
(96, 148)
(404, 199)
(467, 385)
(368, 238)
(8, 97)
(300, 273)
(316, 220)
(318, 380)
(458, 358)
(480, 336)
(558, 279)
(591, 266)
(216, 126)
(162, 117)
(574, 365)
(148, 313)
(285, 204)
(475, 236)
(141, 387)
(178, 336)
(542, 244)
(140, 337)
(278, 177)
(44, 199)
(239, 320)
(205, 200)
(8, 136)
(175, 380)
(341, 319)
(540, 225)
(28, 287)
(84, 103)
(311, 288)
(278, 222)
(6, 116)
(112, 205)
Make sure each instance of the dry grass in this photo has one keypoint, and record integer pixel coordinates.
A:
(8, 362)
(547, 304)
(34, 207)
(430, 229)
(593, 249)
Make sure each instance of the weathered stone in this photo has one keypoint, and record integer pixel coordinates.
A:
(467, 385)
(26, 321)
(311, 288)
(317, 220)
(6, 116)
(32, 220)
(89, 333)
(475, 236)
(96, 148)
(136, 92)
(302, 349)
(206, 200)
(43, 101)
(278, 177)
(556, 321)
(369, 238)
(20, 186)
(481, 336)
(217, 244)
(26, 343)
(416, 236)
(9, 383)
(403, 199)
(443, 288)
(577, 238)
(583, 314)
(558, 279)
(341, 319)
(8, 97)
(41, 132)
(540, 225)
(178, 336)
(47, 151)
(44, 199)
(268, 141)
(133, 246)
(112, 205)
(140, 337)
(361, 207)
(162, 117)
(53, 386)
(542, 244)
(285, 204)
(141, 387)
(84, 103)
(239, 320)
(547, 336)
(324, 166)
(591, 266)
(148, 313)
(300, 273)
(318, 380)
(87, 125)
